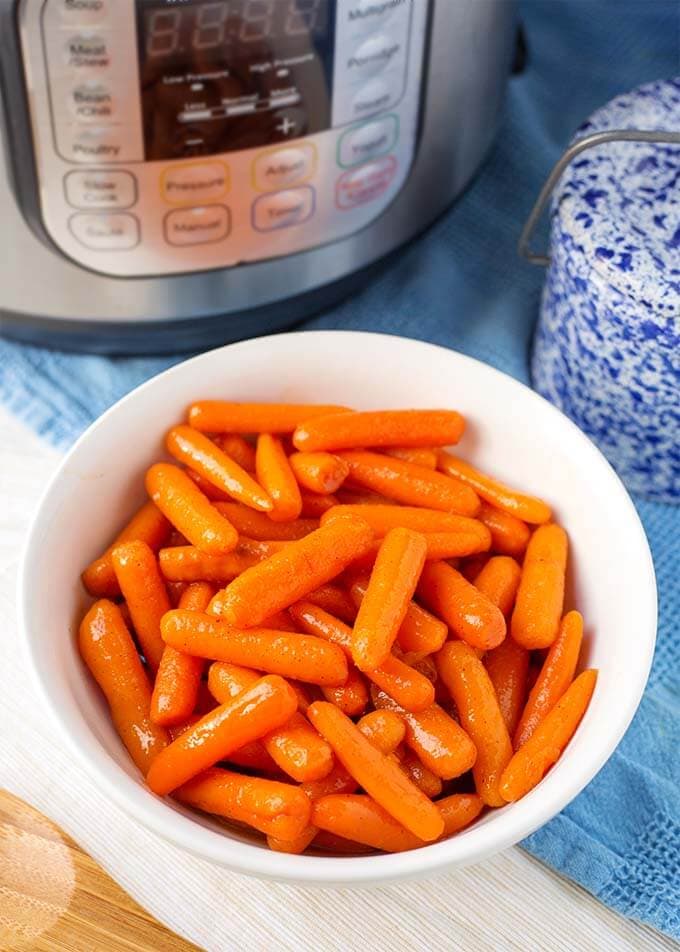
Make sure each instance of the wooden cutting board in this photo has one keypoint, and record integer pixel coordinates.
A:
(55, 898)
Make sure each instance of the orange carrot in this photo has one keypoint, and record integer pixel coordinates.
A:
(334, 600)
(276, 476)
(185, 506)
(314, 506)
(422, 456)
(413, 691)
(529, 765)
(206, 458)
(288, 576)
(359, 497)
(175, 690)
(251, 715)
(499, 581)
(420, 631)
(385, 730)
(352, 696)
(147, 525)
(421, 776)
(480, 715)
(210, 491)
(459, 810)
(406, 428)
(256, 525)
(186, 563)
(381, 778)
(360, 817)
(383, 517)
(507, 667)
(509, 535)
(320, 473)
(238, 449)
(108, 650)
(388, 596)
(145, 594)
(555, 677)
(274, 808)
(220, 416)
(441, 744)
(540, 598)
(469, 613)
(528, 508)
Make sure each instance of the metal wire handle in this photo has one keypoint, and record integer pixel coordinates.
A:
(587, 142)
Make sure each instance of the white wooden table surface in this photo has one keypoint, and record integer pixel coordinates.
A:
(508, 902)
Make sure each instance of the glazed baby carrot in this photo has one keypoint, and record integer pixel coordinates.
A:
(276, 476)
(459, 810)
(288, 654)
(352, 696)
(144, 591)
(472, 691)
(405, 428)
(269, 703)
(238, 449)
(385, 730)
(383, 517)
(499, 581)
(314, 506)
(413, 691)
(422, 456)
(271, 807)
(420, 775)
(410, 484)
(360, 817)
(390, 589)
(469, 613)
(509, 535)
(108, 650)
(540, 598)
(545, 746)
(361, 497)
(440, 743)
(204, 456)
(380, 777)
(419, 632)
(210, 491)
(148, 525)
(257, 525)
(320, 473)
(186, 563)
(507, 667)
(555, 677)
(175, 689)
(334, 600)
(528, 508)
(288, 576)
(185, 506)
(220, 416)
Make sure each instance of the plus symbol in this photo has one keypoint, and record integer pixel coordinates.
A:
(286, 126)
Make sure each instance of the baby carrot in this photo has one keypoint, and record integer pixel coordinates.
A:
(421, 776)
(108, 650)
(334, 600)
(419, 632)
(352, 696)
(175, 689)
(145, 594)
(509, 535)
(388, 595)
(472, 691)
(288, 576)
(220, 416)
(361, 497)
(269, 703)
(201, 454)
(555, 676)
(360, 817)
(385, 730)
(314, 506)
(469, 613)
(440, 743)
(320, 473)
(257, 525)
(383, 517)
(238, 449)
(180, 500)
(276, 476)
(288, 654)
(507, 667)
(413, 691)
(380, 777)
(186, 563)
(421, 456)
(459, 810)
(545, 746)
(269, 806)
(528, 508)
(406, 428)
(540, 598)
(210, 491)
(410, 484)
(499, 581)
(148, 525)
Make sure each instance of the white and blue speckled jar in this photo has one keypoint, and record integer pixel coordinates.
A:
(607, 345)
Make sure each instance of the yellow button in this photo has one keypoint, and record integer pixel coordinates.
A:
(197, 226)
(280, 168)
(194, 182)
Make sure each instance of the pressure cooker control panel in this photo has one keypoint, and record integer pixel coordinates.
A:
(183, 135)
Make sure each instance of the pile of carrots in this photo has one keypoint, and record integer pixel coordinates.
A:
(326, 627)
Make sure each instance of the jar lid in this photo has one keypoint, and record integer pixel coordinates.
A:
(619, 202)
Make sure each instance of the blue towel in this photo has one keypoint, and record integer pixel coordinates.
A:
(462, 286)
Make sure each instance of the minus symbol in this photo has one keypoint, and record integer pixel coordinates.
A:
(196, 87)
(282, 72)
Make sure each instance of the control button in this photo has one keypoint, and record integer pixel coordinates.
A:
(91, 102)
(96, 144)
(365, 183)
(373, 55)
(105, 232)
(81, 11)
(87, 51)
(197, 226)
(283, 209)
(278, 168)
(100, 189)
(196, 182)
(367, 13)
(373, 138)
(373, 97)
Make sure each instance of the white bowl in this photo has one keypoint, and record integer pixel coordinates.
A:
(512, 432)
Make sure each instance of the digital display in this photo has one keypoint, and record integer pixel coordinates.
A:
(233, 74)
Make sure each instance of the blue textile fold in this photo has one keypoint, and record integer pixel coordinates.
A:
(463, 286)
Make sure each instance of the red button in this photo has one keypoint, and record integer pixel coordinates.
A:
(365, 183)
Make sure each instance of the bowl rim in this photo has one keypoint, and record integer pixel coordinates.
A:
(470, 845)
